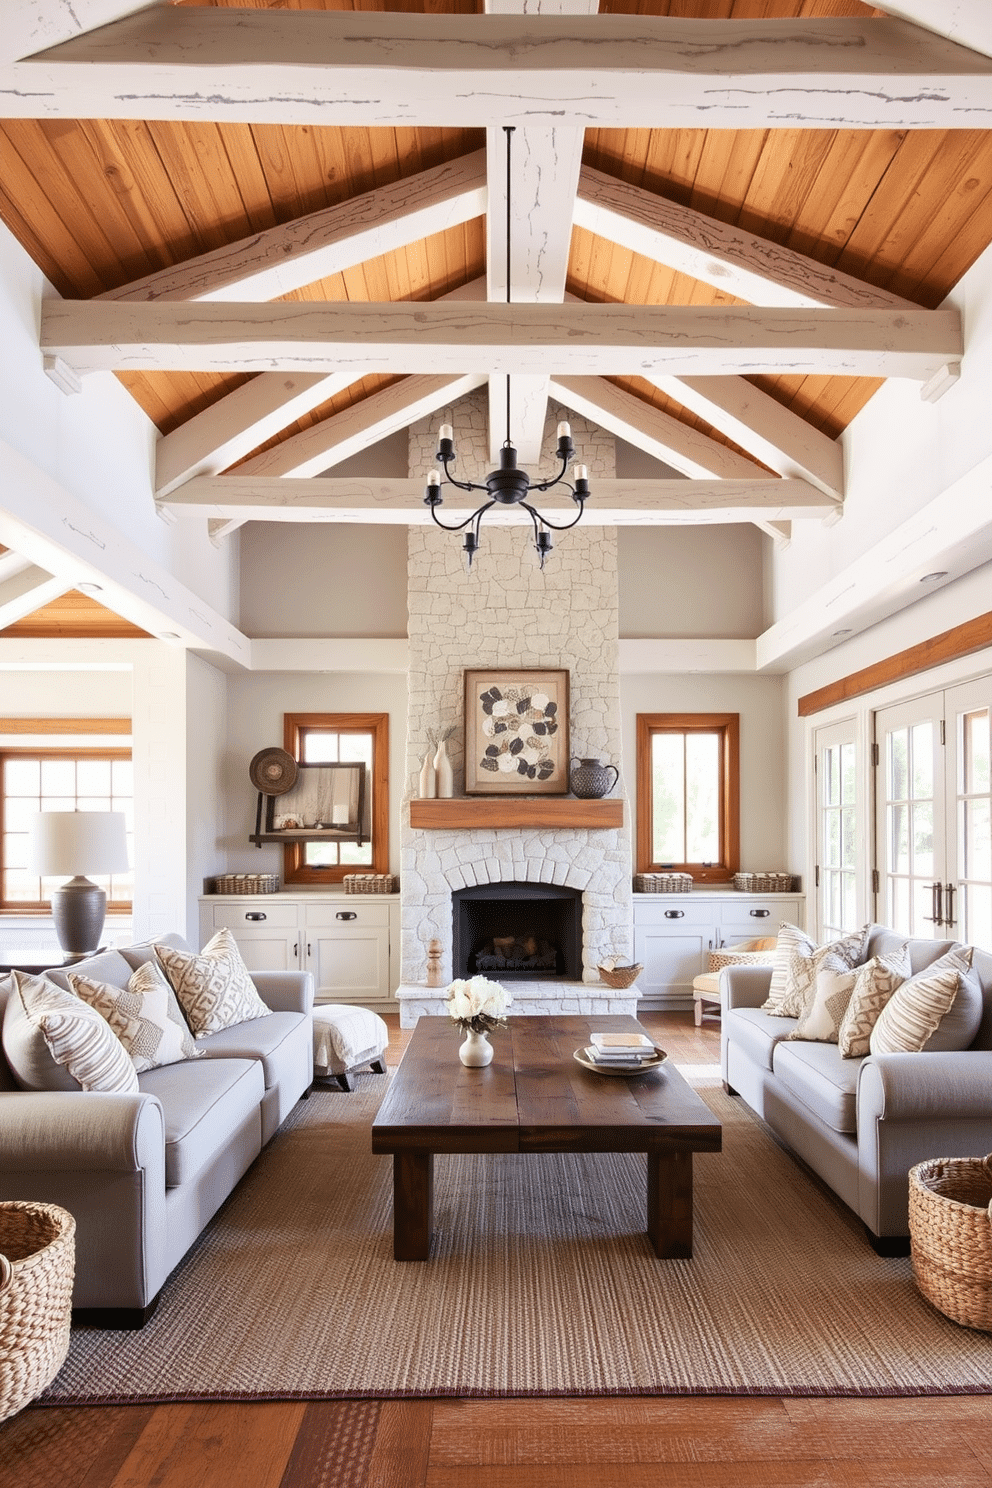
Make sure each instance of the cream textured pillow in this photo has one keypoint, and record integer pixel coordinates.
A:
(78, 1039)
(802, 966)
(832, 988)
(144, 1015)
(214, 988)
(958, 1027)
(914, 1011)
(874, 983)
(791, 941)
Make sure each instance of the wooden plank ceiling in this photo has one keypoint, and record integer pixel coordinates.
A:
(101, 203)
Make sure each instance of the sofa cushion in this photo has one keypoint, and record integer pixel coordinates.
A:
(214, 986)
(144, 951)
(756, 1032)
(874, 983)
(265, 1039)
(108, 966)
(204, 1104)
(825, 1082)
(53, 1041)
(144, 1015)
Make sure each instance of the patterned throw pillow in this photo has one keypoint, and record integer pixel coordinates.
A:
(804, 962)
(144, 1015)
(80, 1042)
(791, 941)
(914, 1012)
(214, 988)
(874, 983)
(832, 988)
(958, 1027)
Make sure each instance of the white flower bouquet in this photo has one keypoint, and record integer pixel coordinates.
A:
(478, 1004)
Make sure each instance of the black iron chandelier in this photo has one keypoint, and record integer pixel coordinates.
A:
(509, 485)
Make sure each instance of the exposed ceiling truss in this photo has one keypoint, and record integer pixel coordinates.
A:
(552, 68)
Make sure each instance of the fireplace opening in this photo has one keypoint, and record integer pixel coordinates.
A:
(515, 931)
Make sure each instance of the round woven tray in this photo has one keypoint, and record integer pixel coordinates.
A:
(620, 977)
(37, 1263)
(951, 1236)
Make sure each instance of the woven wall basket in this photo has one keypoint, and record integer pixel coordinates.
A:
(37, 1265)
(951, 1235)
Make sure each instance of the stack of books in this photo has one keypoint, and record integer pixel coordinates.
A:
(621, 1050)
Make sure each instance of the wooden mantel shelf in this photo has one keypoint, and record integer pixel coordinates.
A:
(514, 811)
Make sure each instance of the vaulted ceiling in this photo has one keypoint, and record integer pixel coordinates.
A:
(730, 220)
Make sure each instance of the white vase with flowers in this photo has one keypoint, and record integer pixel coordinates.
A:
(477, 1006)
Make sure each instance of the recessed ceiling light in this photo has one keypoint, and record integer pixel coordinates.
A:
(932, 578)
(842, 632)
(88, 587)
(168, 635)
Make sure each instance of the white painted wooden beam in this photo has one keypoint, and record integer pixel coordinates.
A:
(620, 340)
(346, 433)
(330, 499)
(765, 428)
(275, 262)
(28, 591)
(779, 532)
(239, 422)
(729, 258)
(470, 71)
(650, 429)
(968, 22)
(32, 25)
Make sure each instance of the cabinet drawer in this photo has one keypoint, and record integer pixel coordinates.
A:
(758, 916)
(680, 909)
(241, 915)
(343, 916)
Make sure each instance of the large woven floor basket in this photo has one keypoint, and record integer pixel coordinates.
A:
(950, 1228)
(37, 1265)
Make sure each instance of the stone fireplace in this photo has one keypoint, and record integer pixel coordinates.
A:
(507, 612)
(517, 932)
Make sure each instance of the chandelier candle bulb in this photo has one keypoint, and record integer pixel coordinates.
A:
(564, 431)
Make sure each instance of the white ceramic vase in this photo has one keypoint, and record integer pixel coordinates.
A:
(443, 772)
(428, 779)
(476, 1051)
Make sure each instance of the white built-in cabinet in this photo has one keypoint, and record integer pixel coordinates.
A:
(674, 934)
(350, 942)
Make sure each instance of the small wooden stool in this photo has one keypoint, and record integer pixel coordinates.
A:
(705, 989)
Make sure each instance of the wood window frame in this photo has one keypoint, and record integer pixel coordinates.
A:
(295, 725)
(728, 726)
(55, 727)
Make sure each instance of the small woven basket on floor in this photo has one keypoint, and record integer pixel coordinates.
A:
(37, 1265)
(950, 1231)
(620, 977)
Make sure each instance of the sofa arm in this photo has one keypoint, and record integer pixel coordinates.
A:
(84, 1131)
(744, 986)
(926, 1087)
(285, 991)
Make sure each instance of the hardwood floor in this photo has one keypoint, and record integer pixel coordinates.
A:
(686, 1442)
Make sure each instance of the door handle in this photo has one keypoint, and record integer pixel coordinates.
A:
(254, 915)
(674, 914)
(346, 914)
(936, 904)
(950, 890)
(296, 950)
(759, 914)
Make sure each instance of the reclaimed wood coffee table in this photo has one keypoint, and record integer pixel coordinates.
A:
(535, 1097)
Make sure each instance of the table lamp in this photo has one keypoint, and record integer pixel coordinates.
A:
(77, 843)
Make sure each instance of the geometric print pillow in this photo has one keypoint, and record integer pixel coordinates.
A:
(834, 983)
(79, 1042)
(144, 1015)
(874, 984)
(804, 963)
(792, 942)
(213, 985)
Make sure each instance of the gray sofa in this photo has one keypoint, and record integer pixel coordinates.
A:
(860, 1124)
(142, 1174)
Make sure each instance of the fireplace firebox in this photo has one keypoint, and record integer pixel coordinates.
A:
(517, 931)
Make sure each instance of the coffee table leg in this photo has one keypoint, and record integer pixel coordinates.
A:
(413, 1205)
(670, 1204)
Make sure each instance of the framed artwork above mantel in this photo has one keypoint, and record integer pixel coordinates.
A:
(516, 731)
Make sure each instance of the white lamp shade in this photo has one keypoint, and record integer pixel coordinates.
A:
(67, 843)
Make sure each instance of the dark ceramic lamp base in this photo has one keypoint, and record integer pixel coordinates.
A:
(78, 909)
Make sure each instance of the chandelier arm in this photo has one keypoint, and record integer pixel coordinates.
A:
(458, 527)
(546, 485)
(536, 516)
(449, 480)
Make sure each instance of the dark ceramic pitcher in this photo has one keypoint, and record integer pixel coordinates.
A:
(590, 778)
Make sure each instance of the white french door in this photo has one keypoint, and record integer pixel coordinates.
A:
(837, 857)
(933, 814)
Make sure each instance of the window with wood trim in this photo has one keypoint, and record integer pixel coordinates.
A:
(340, 738)
(688, 794)
(83, 771)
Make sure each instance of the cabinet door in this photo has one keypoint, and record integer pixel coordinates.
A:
(349, 965)
(671, 958)
(270, 950)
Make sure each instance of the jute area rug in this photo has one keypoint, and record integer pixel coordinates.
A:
(541, 1282)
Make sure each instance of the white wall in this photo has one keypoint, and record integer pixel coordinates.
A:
(255, 707)
(760, 702)
(206, 711)
(56, 694)
(705, 582)
(331, 579)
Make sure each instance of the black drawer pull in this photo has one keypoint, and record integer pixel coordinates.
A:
(759, 914)
(674, 914)
(346, 914)
(255, 914)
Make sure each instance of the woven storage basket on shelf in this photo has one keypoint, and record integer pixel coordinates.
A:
(37, 1265)
(950, 1231)
(663, 883)
(370, 883)
(764, 883)
(620, 977)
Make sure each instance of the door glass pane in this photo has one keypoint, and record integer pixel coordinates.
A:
(973, 917)
(976, 751)
(837, 847)
(921, 747)
(923, 838)
(897, 757)
(910, 848)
